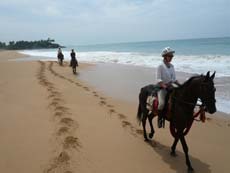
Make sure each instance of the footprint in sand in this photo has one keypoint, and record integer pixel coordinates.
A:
(63, 157)
(102, 98)
(110, 106)
(56, 93)
(96, 95)
(126, 123)
(54, 104)
(71, 142)
(61, 108)
(139, 132)
(58, 114)
(50, 89)
(112, 111)
(71, 81)
(102, 102)
(67, 121)
(52, 95)
(94, 92)
(86, 88)
(62, 130)
(56, 99)
(121, 116)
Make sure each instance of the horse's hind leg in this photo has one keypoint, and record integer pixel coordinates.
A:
(143, 124)
(150, 118)
(173, 148)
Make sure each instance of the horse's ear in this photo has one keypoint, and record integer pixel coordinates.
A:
(213, 75)
(207, 75)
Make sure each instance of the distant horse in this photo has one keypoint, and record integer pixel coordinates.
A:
(60, 58)
(74, 64)
(183, 101)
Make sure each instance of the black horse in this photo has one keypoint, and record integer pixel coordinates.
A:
(183, 101)
(60, 58)
(74, 64)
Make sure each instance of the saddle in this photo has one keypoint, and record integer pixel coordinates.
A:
(152, 103)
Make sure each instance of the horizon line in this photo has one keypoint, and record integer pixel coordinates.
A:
(145, 41)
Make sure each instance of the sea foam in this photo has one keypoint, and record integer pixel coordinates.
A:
(184, 63)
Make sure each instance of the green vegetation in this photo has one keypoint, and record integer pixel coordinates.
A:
(41, 44)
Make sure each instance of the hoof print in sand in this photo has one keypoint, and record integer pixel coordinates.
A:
(63, 157)
(67, 121)
(125, 123)
(62, 130)
(102, 102)
(121, 116)
(139, 132)
(112, 111)
(71, 142)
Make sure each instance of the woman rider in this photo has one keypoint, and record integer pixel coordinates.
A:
(165, 77)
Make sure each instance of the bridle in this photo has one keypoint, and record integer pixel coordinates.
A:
(203, 105)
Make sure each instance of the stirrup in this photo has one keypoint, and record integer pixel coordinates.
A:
(160, 122)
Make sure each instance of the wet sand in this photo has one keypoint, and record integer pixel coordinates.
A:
(52, 121)
(124, 82)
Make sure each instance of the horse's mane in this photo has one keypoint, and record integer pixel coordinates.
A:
(187, 82)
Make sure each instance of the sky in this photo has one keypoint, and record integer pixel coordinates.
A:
(76, 22)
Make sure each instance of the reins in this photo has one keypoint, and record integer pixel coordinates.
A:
(200, 113)
(202, 118)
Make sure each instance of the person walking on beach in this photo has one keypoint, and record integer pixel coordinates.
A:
(166, 76)
(73, 61)
(60, 56)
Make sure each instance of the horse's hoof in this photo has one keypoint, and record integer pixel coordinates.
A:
(173, 154)
(151, 135)
(190, 170)
(146, 140)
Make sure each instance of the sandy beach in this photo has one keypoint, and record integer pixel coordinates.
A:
(52, 121)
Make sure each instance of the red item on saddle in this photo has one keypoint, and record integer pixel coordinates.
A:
(155, 104)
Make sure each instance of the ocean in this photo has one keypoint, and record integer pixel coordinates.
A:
(195, 56)
(192, 55)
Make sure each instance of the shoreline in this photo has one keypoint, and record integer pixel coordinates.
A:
(70, 125)
(91, 71)
(90, 68)
(148, 75)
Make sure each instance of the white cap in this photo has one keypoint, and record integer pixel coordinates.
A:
(166, 51)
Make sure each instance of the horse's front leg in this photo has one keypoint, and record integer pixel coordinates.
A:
(173, 148)
(143, 124)
(150, 118)
(185, 148)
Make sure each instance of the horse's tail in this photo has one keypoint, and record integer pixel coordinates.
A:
(139, 113)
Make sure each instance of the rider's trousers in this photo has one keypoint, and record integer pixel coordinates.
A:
(161, 98)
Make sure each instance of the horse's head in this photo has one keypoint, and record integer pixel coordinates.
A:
(207, 92)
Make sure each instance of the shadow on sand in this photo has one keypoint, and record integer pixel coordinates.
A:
(178, 163)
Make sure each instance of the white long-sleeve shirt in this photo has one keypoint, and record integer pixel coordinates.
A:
(166, 74)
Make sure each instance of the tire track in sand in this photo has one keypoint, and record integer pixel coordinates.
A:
(102, 102)
(65, 127)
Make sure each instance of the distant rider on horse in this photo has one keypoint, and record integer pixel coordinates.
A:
(166, 76)
(73, 61)
(60, 56)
